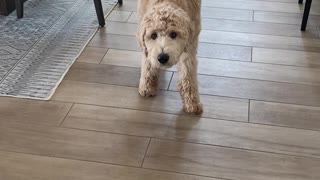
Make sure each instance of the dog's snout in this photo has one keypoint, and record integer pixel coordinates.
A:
(163, 58)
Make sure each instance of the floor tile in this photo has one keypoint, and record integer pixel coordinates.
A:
(266, 72)
(260, 5)
(195, 129)
(221, 13)
(31, 111)
(123, 58)
(106, 74)
(92, 55)
(285, 18)
(121, 16)
(258, 28)
(72, 144)
(167, 102)
(296, 116)
(133, 18)
(112, 41)
(286, 57)
(228, 163)
(32, 167)
(257, 90)
(259, 40)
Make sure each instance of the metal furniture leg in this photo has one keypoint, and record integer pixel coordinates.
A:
(306, 15)
(99, 11)
(19, 8)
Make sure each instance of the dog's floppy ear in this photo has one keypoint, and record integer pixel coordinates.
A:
(141, 36)
(190, 30)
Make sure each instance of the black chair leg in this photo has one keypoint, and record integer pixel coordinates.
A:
(19, 8)
(120, 2)
(99, 11)
(306, 15)
(300, 1)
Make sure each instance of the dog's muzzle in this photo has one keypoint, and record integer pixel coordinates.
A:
(163, 58)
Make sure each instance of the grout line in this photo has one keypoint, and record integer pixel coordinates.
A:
(296, 48)
(66, 115)
(190, 115)
(229, 19)
(199, 74)
(104, 56)
(240, 149)
(249, 108)
(113, 21)
(145, 154)
(158, 112)
(252, 17)
(274, 1)
(248, 9)
(170, 80)
(233, 31)
(179, 141)
(164, 113)
(253, 12)
(112, 164)
(129, 17)
(242, 9)
(189, 174)
(168, 113)
(251, 60)
(221, 59)
(280, 47)
(188, 141)
(214, 95)
(68, 158)
(262, 80)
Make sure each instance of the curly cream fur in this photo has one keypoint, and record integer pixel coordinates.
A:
(163, 17)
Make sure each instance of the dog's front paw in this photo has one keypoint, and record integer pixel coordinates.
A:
(147, 92)
(194, 108)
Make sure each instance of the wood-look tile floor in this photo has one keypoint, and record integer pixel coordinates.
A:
(259, 82)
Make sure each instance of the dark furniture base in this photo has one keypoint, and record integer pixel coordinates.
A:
(99, 11)
(306, 13)
(97, 3)
(7, 7)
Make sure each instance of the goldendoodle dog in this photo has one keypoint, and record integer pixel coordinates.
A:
(168, 34)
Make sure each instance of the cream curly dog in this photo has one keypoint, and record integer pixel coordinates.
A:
(168, 34)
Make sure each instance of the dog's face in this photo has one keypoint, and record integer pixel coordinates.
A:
(164, 35)
(164, 47)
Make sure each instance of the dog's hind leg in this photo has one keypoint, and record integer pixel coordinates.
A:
(149, 79)
(188, 83)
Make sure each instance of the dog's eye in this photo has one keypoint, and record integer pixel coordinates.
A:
(154, 36)
(173, 35)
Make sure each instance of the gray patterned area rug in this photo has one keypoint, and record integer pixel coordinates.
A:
(37, 50)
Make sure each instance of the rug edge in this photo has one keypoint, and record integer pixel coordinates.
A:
(68, 68)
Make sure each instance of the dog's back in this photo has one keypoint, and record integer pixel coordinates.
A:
(192, 7)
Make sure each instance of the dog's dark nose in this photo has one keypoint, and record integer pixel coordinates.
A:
(163, 58)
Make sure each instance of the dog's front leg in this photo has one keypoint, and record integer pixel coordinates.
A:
(188, 84)
(148, 85)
